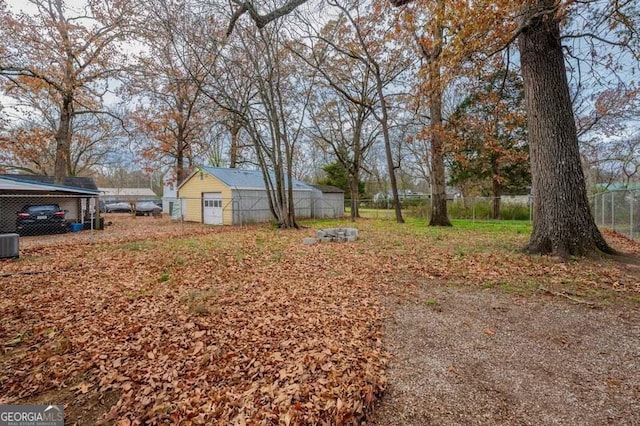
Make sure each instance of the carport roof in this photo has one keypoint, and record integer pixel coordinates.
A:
(40, 184)
(247, 179)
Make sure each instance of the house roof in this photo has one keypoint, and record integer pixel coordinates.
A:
(75, 184)
(328, 189)
(127, 192)
(246, 179)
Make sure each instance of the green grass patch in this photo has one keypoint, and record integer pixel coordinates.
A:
(134, 295)
(136, 245)
(635, 299)
(494, 226)
(17, 340)
(514, 289)
(198, 301)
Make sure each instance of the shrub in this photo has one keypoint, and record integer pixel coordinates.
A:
(483, 210)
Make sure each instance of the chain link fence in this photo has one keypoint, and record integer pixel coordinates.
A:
(512, 207)
(29, 215)
(213, 209)
(618, 210)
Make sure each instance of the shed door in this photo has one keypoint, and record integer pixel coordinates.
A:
(212, 208)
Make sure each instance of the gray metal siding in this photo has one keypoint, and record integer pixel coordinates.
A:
(328, 205)
(252, 206)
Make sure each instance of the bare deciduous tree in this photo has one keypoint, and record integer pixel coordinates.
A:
(72, 52)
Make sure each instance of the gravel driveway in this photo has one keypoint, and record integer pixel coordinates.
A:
(479, 357)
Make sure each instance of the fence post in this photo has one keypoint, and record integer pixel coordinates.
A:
(613, 210)
(631, 196)
(182, 201)
(473, 209)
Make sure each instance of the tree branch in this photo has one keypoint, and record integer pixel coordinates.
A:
(261, 20)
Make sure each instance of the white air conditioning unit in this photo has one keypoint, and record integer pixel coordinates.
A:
(9, 245)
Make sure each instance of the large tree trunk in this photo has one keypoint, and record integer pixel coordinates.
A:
(353, 171)
(63, 141)
(384, 122)
(355, 197)
(181, 146)
(562, 224)
(392, 173)
(291, 202)
(179, 169)
(439, 216)
(234, 148)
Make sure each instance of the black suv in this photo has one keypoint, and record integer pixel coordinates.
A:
(41, 219)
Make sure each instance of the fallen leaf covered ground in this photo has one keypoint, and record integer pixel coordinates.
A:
(150, 322)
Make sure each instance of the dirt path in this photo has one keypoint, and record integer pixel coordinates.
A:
(478, 357)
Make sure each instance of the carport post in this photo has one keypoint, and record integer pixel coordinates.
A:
(95, 214)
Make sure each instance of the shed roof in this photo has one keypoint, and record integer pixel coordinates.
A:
(39, 183)
(247, 179)
(328, 189)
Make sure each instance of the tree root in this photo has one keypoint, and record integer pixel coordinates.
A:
(568, 296)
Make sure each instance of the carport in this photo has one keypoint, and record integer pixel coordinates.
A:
(77, 197)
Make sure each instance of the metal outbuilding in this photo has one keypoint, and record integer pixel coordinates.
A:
(328, 202)
(223, 196)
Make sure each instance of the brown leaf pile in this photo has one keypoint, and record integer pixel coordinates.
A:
(230, 327)
(238, 326)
